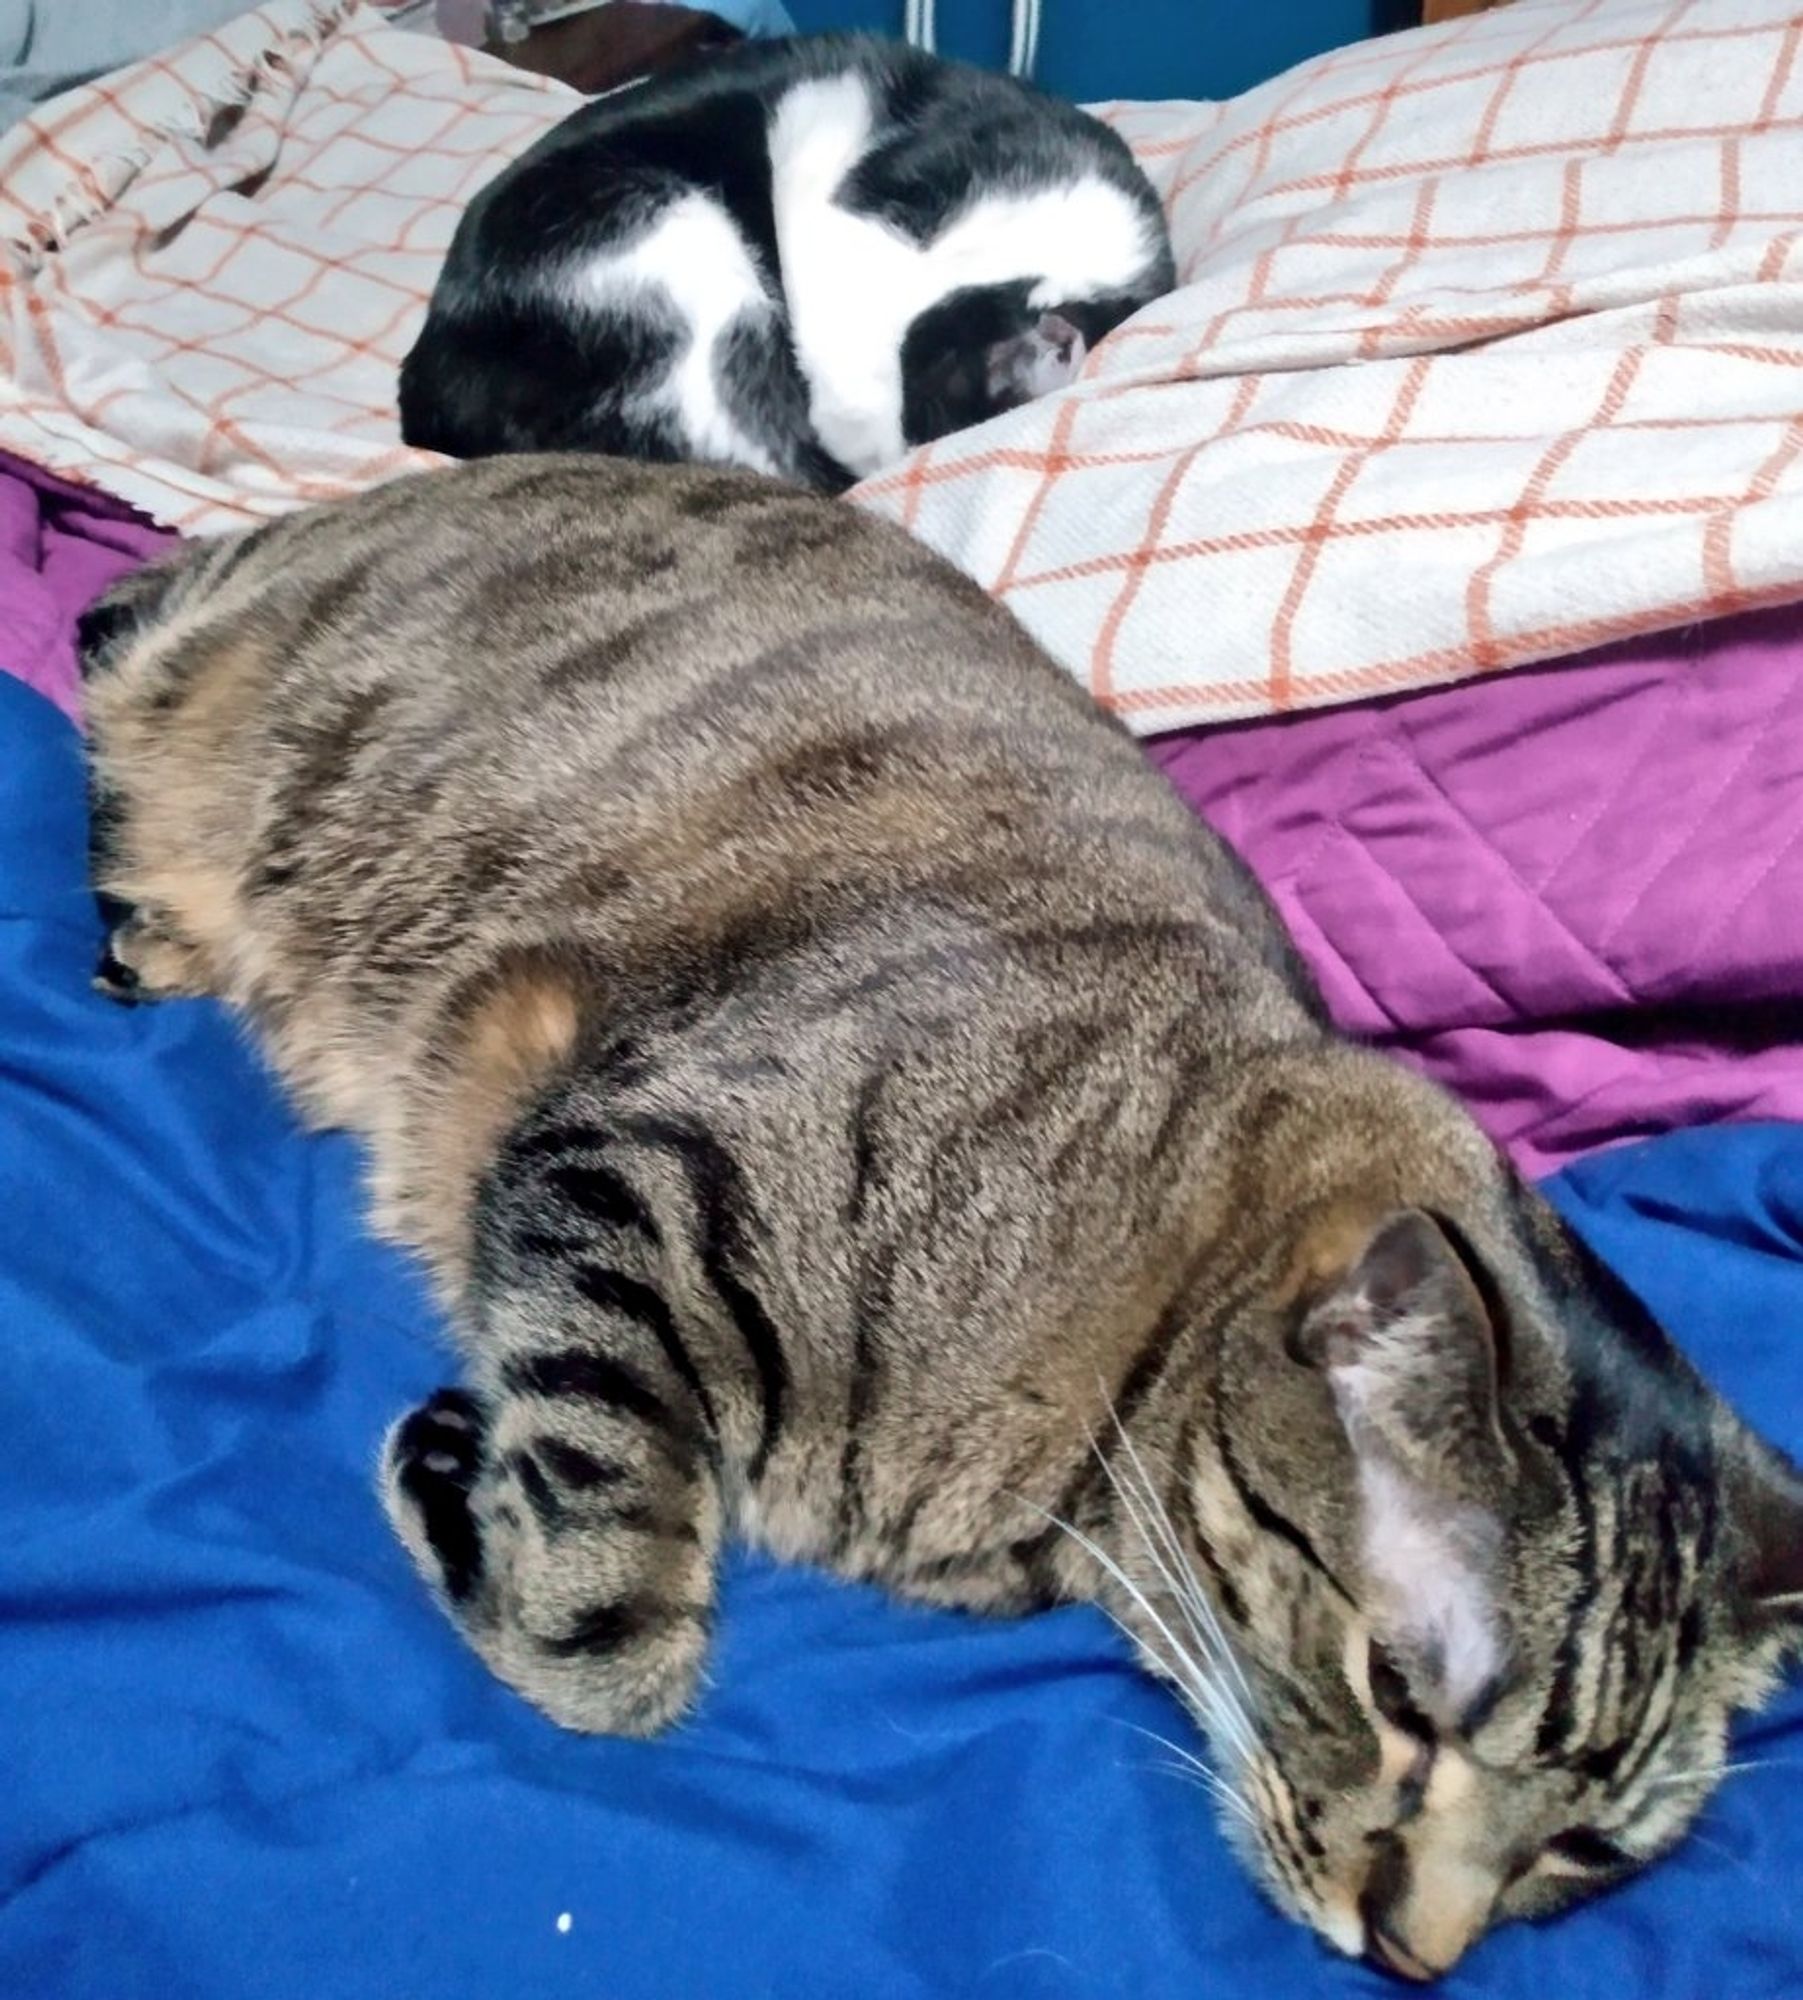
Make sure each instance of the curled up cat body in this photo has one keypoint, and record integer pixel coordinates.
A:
(848, 1103)
(800, 256)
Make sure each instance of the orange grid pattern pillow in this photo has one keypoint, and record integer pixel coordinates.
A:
(1487, 346)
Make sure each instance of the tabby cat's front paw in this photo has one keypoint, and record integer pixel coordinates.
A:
(117, 980)
(582, 1575)
(434, 1459)
(141, 961)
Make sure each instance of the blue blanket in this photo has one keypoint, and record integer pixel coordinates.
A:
(242, 1756)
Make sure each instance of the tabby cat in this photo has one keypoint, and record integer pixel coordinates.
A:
(848, 1102)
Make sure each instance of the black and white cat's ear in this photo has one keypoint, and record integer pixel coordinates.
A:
(1050, 355)
(1406, 1341)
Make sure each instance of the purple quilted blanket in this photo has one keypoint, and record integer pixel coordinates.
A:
(1573, 894)
(60, 546)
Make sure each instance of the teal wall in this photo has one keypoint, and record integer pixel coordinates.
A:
(1132, 48)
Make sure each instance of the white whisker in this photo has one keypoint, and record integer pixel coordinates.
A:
(1700, 1774)
(1152, 1736)
(1727, 1853)
(1223, 1795)
(1228, 1715)
(1188, 1671)
(1188, 1757)
(1216, 1631)
(1193, 1770)
(1224, 1714)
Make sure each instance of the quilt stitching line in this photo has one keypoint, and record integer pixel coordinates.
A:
(1675, 847)
(1611, 972)
(1655, 721)
(1725, 919)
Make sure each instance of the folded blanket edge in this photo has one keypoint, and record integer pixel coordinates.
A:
(298, 29)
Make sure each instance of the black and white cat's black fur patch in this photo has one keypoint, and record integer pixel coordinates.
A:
(801, 256)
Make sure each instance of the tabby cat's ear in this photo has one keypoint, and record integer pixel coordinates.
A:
(1407, 1344)
(1768, 1497)
(1410, 1351)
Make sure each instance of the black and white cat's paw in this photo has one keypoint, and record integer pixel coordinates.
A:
(431, 1463)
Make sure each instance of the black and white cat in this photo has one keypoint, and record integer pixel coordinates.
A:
(801, 256)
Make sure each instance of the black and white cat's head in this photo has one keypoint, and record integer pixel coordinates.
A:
(954, 244)
(984, 349)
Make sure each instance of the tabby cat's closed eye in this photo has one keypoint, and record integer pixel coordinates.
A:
(1584, 1847)
(1390, 1692)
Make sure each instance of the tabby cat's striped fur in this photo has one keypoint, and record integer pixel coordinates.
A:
(847, 1101)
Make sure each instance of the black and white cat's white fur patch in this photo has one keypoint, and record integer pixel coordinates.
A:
(801, 256)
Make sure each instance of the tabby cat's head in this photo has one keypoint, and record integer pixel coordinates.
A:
(1516, 1567)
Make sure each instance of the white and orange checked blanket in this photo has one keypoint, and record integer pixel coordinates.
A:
(1490, 342)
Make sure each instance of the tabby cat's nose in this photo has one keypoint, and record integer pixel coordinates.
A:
(1391, 1955)
(1387, 1896)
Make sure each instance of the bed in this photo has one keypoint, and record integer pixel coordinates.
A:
(243, 1755)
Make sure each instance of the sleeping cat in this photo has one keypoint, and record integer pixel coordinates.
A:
(801, 257)
(848, 1102)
